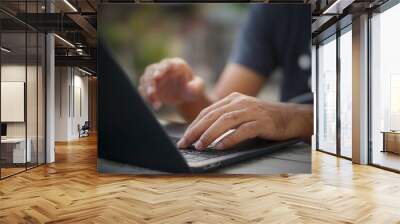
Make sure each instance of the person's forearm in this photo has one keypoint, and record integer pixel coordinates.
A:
(190, 110)
(300, 121)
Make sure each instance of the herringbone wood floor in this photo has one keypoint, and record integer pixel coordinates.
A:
(70, 191)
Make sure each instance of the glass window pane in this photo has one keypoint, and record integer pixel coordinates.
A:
(31, 97)
(385, 84)
(346, 94)
(41, 98)
(23, 90)
(327, 97)
(14, 153)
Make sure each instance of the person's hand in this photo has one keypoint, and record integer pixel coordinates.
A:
(250, 117)
(170, 82)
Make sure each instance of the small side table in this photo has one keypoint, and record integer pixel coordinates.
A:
(391, 141)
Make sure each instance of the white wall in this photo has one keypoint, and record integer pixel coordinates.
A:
(62, 81)
(81, 103)
(70, 83)
(33, 126)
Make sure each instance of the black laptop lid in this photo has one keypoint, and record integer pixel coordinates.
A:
(128, 130)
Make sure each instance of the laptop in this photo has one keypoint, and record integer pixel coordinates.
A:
(130, 133)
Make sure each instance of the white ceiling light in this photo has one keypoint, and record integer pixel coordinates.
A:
(337, 7)
(5, 50)
(70, 5)
(84, 71)
(65, 41)
(79, 51)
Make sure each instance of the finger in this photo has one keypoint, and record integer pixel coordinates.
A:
(193, 88)
(207, 110)
(167, 75)
(243, 132)
(143, 81)
(153, 97)
(147, 86)
(179, 67)
(142, 92)
(197, 128)
(224, 123)
(226, 100)
(151, 87)
(173, 67)
(161, 70)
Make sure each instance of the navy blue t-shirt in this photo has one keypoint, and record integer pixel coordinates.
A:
(278, 36)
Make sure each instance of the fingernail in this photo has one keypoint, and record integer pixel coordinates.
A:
(198, 145)
(219, 145)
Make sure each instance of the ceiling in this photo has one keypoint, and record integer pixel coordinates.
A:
(76, 22)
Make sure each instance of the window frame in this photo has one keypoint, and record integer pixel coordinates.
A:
(378, 10)
(333, 33)
(27, 29)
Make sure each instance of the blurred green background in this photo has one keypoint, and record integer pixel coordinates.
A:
(202, 34)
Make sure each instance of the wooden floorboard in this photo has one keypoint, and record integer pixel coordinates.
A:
(71, 191)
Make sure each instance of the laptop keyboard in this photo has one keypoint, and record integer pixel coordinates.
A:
(192, 154)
